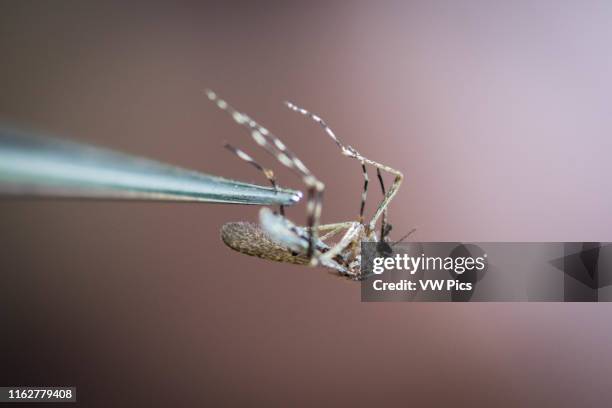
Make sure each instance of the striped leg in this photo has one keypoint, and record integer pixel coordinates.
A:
(351, 152)
(364, 194)
(331, 134)
(268, 173)
(279, 150)
(333, 229)
(384, 230)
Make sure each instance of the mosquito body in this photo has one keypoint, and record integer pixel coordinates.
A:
(336, 246)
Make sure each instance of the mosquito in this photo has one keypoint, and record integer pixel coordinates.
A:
(335, 246)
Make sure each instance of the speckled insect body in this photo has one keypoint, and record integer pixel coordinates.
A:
(336, 246)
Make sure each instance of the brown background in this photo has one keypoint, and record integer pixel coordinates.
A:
(498, 113)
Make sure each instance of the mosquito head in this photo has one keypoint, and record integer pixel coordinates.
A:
(384, 249)
(385, 231)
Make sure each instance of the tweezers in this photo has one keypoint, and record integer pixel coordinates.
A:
(40, 166)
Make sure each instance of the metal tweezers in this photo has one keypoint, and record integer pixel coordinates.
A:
(34, 165)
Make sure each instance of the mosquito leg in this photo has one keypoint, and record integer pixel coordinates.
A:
(332, 135)
(354, 230)
(268, 173)
(336, 225)
(330, 234)
(383, 224)
(333, 229)
(349, 151)
(342, 270)
(364, 194)
(279, 150)
(382, 207)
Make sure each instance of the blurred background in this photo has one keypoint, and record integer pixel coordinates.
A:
(498, 114)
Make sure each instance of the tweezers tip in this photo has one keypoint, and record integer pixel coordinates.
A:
(297, 196)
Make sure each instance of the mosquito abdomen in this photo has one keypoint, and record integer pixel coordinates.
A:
(248, 238)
